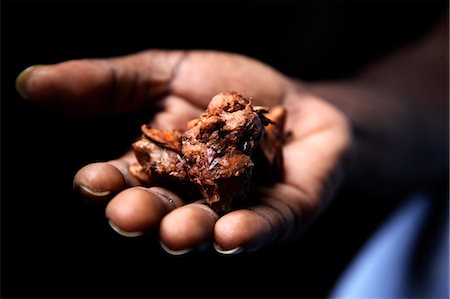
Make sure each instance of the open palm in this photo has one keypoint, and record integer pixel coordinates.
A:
(182, 83)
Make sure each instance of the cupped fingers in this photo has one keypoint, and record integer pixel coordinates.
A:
(99, 182)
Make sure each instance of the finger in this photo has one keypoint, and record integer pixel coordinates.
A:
(93, 86)
(99, 182)
(138, 209)
(273, 219)
(187, 228)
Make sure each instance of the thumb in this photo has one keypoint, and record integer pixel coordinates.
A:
(93, 86)
(100, 86)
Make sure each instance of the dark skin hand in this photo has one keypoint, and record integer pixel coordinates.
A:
(320, 116)
(184, 82)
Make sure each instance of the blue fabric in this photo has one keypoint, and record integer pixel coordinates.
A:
(390, 264)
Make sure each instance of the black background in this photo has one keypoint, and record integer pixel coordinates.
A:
(56, 245)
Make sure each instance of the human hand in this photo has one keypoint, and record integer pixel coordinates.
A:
(182, 83)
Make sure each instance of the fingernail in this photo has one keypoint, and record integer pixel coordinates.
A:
(228, 252)
(125, 233)
(89, 192)
(21, 81)
(174, 252)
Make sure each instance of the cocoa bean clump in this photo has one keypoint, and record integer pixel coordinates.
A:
(215, 156)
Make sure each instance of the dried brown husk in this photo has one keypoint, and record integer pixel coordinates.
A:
(217, 154)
